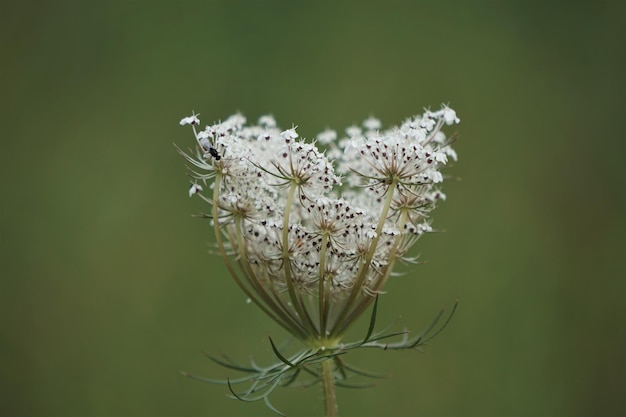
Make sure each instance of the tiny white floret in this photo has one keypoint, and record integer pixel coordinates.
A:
(449, 116)
(289, 133)
(372, 123)
(327, 136)
(194, 189)
(191, 120)
(267, 121)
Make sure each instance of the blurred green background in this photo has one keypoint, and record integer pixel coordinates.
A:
(107, 290)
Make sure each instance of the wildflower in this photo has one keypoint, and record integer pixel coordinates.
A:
(310, 237)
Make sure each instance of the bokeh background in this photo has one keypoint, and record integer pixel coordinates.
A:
(107, 290)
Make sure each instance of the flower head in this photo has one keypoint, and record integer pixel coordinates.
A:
(312, 235)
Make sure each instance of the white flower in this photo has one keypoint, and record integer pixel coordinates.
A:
(204, 135)
(372, 123)
(440, 156)
(235, 121)
(327, 136)
(289, 134)
(449, 116)
(267, 121)
(302, 224)
(428, 121)
(194, 189)
(191, 120)
(370, 234)
(353, 131)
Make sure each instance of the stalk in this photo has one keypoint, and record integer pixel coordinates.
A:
(294, 292)
(323, 294)
(287, 317)
(339, 325)
(382, 279)
(229, 265)
(328, 388)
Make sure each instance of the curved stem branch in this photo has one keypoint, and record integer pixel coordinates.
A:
(231, 269)
(293, 290)
(340, 325)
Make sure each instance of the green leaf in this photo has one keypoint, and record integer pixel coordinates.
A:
(370, 329)
(230, 364)
(279, 356)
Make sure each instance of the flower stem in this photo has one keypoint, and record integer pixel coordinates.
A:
(293, 290)
(252, 295)
(341, 324)
(322, 293)
(328, 386)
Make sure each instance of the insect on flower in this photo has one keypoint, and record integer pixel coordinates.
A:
(208, 149)
(312, 235)
(212, 152)
(201, 137)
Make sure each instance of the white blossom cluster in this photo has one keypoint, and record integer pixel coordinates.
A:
(311, 233)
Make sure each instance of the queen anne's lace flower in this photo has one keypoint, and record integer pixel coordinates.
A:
(310, 235)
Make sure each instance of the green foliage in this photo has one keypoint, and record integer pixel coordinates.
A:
(262, 381)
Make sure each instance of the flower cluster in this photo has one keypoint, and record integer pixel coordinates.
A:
(312, 235)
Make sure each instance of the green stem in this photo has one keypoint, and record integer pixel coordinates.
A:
(328, 386)
(292, 289)
(340, 325)
(220, 244)
(322, 289)
(364, 303)
(282, 315)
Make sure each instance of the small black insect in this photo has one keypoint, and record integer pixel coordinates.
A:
(210, 150)
(214, 154)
